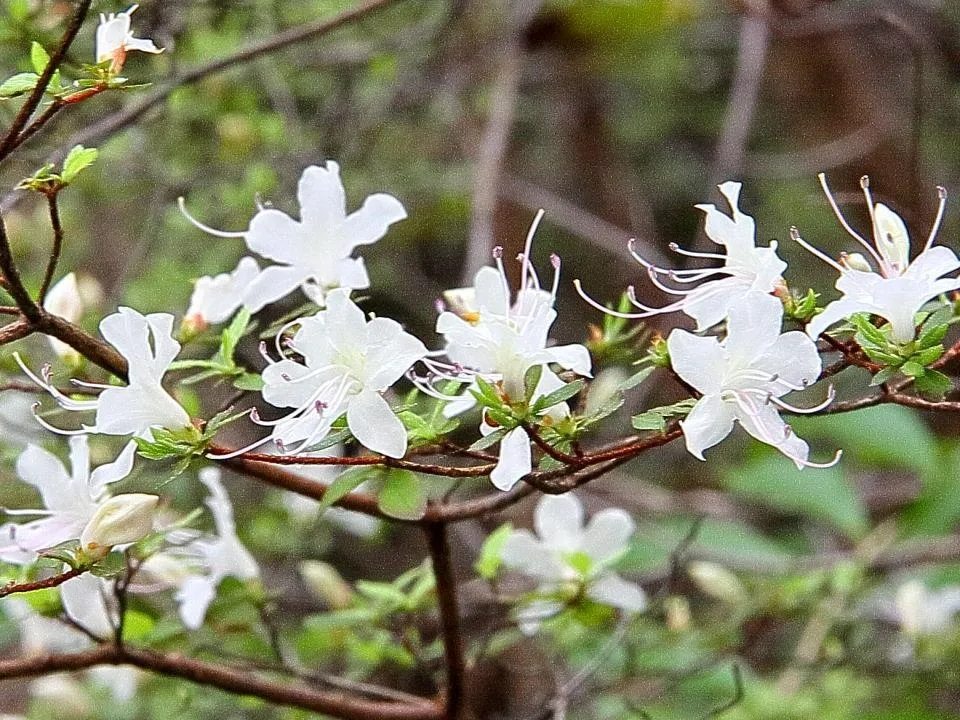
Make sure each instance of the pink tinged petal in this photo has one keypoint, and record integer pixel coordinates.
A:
(699, 361)
(572, 357)
(323, 204)
(932, 264)
(765, 424)
(84, 601)
(193, 598)
(526, 554)
(112, 472)
(558, 520)
(371, 221)
(793, 358)
(273, 283)
(390, 352)
(282, 387)
(833, 313)
(710, 421)
(278, 237)
(491, 293)
(111, 36)
(375, 425)
(515, 460)
(753, 325)
(611, 589)
(607, 535)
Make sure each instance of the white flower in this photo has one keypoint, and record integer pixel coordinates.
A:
(348, 362)
(490, 337)
(64, 300)
(743, 377)
(216, 298)
(70, 500)
(901, 288)
(198, 566)
(114, 38)
(566, 556)
(122, 519)
(746, 267)
(314, 252)
(926, 612)
(148, 346)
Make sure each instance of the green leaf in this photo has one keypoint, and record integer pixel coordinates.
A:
(911, 368)
(384, 593)
(884, 375)
(248, 381)
(656, 419)
(822, 494)
(486, 394)
(489, 440)
(38, 57)
(233, 333)
(558, 396)
(488, 563)
(934, 384)
(928, 355)
(531, 379)
(18, 85)
(77, 159)
(637, 378)
(402, 496)
(346, 483)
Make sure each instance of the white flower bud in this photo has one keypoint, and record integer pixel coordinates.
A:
(892, 239)
(325, 582)
(856, 261)
(64, 300)
(717, 582)
(121, 519)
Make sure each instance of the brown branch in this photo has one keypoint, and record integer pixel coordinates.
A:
(55, 250)
(224, 678)
(92, 348)
(439, 546)
(13, 283)
(50, 582)
(11, 139)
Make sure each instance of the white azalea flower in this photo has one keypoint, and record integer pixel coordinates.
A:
(122, 519)
(742, 378)
(197, 567)
(148, 346)
(490, 337)
(64, 300)
(314, 252)
(348, 362)
(926, 612)
(901, 287)
(70, 500)
(566, 557)
(746, 268)
(216, 298)
(115, 39)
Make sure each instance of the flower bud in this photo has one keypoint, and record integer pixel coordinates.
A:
(717, 582)
(64, 300)
(856, 261)
(121, 519)
(677, 609)
(325, 582)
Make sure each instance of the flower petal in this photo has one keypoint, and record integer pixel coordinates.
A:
(371, 221)
(193, 598)
(607, 535)
(271, 284)
(526, 554)
(112, 472)
(558, 520)
(699, 361)
(572, 357)
(515, 459)
(710, 421)
(611, 589)
(375, 425)
(323, 203)
(278, 237)
(753, 325)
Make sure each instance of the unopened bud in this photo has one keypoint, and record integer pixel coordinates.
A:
(678, 613)
(856, 261)
(717, 582)
(323, 580)
(64, 300)
(121, 519)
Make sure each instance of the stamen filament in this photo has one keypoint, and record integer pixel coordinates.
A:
(206, 228)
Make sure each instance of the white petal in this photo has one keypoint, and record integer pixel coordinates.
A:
(322, 199)
(793, 358)
(611, 589)
(491, 293)
(283, 387)
(607, 534)
(766, 425)
(933, 263)
(194, 597)
(46, 473)
(558, 520)
(352, 273)
(133, 410)
(84, 601)
(699, 361)
(390, 353)
(833, 313)
(710, 421)
(526, 554)
(346, 324)
(572, 357)
(753, 325)
(375, 425)
(515, 459)
(371, 221)
(271, 284)
(112, 472)
(141, 44)
(278, 237)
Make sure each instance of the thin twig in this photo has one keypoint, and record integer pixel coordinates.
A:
(55, 249)
(439, 546)
(50, 582)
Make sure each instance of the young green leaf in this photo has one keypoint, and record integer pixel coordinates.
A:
(402, 496)
(346, 483)
(39, 58)
(18, 84)
(77, 159)
(558, 396)
(489, 561)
